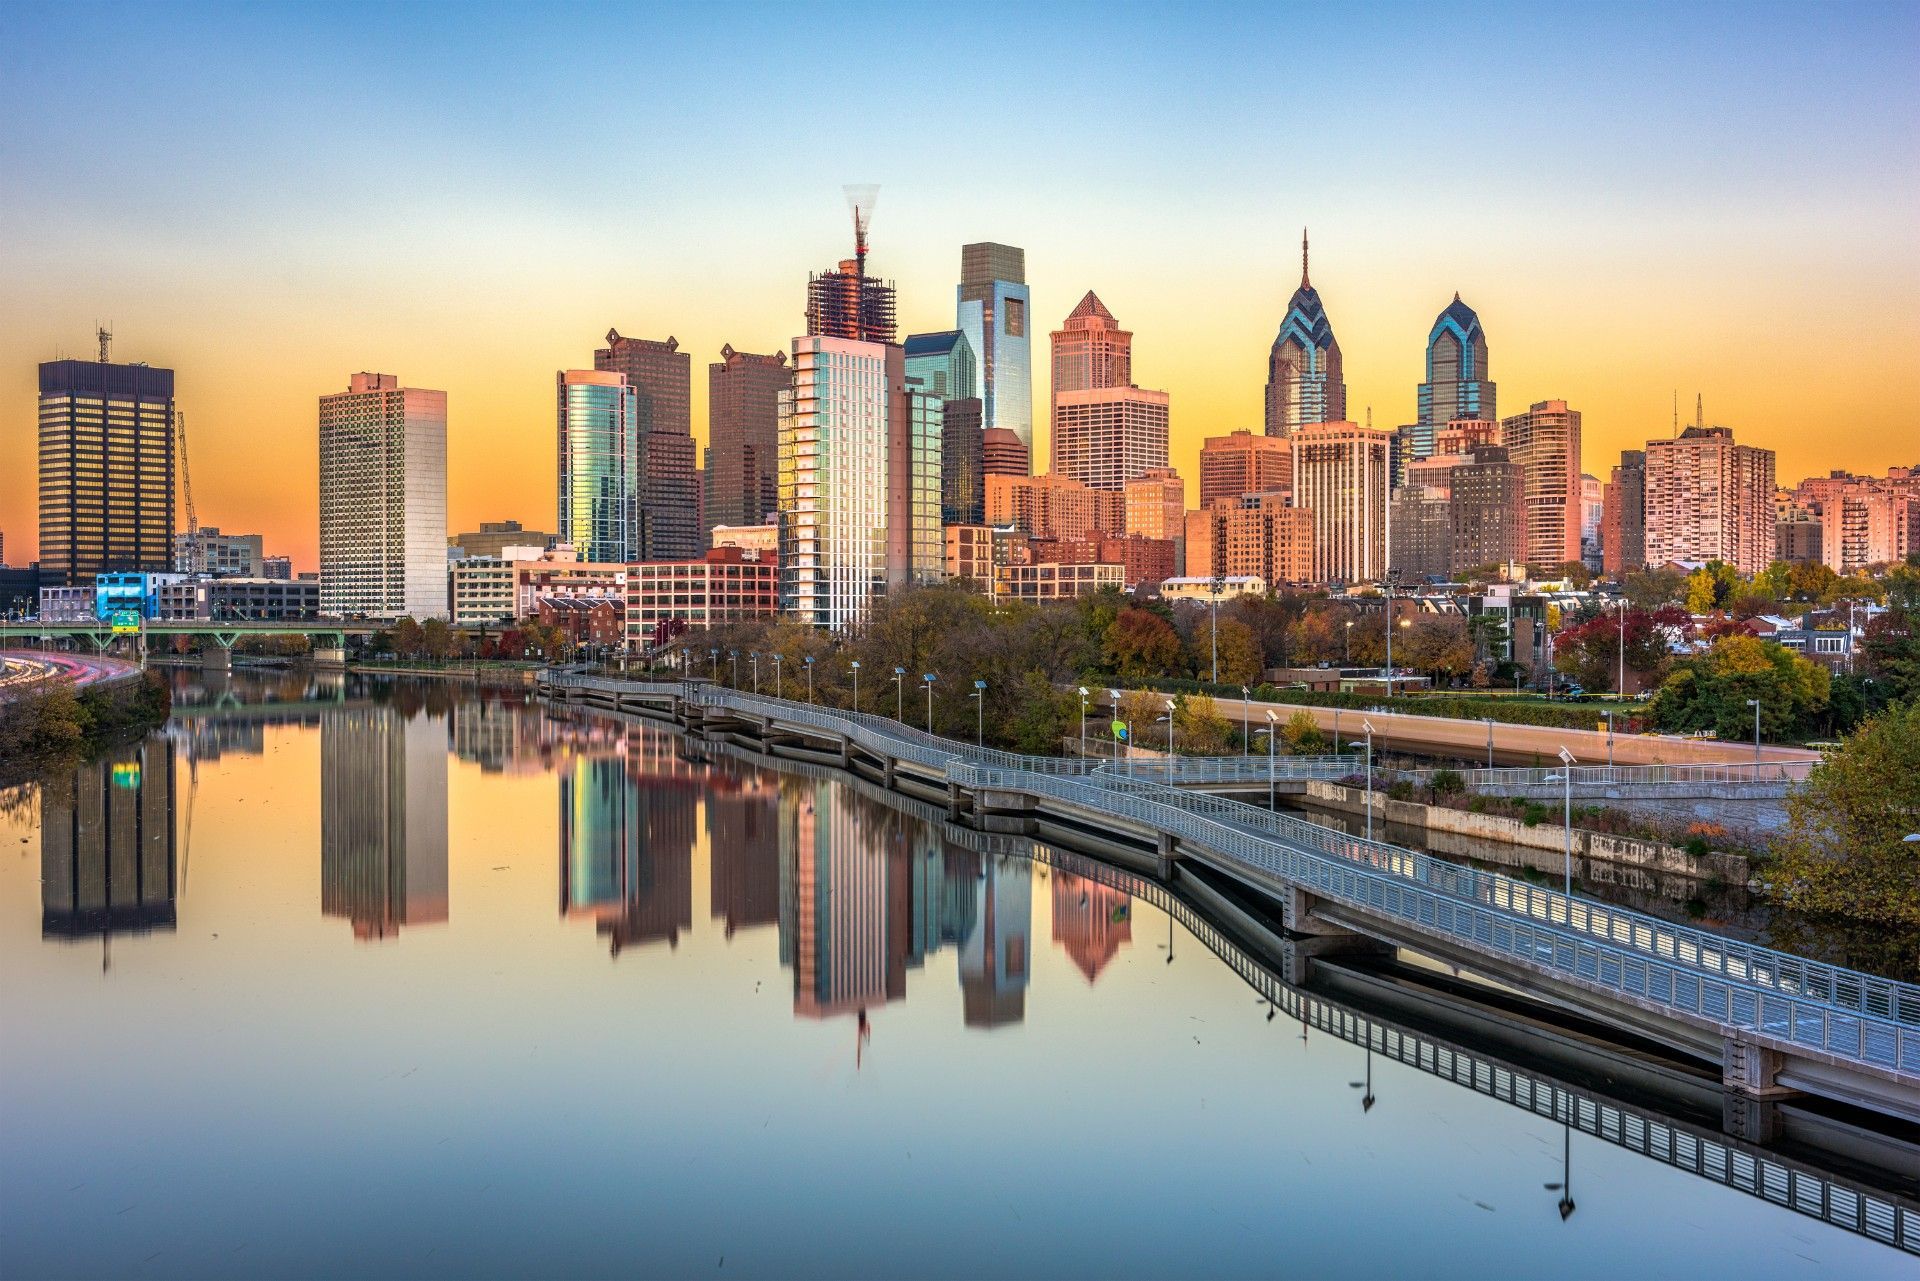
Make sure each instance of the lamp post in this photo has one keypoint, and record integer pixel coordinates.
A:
(776, 676)
(1219, 586)
(1121, 730)
(900, 694)
(733, 657)
(928, 679)
(809, 662)
(1170, 748)
(1565, 1186)
(1754, 703)
(1620, 687)
(1367, 726)
(1336, 729)
(1246, 719)
(856, 684)
(713, 654)
(1489, 742)
(753, 658)
(1083, 720)
(1272, 731)
(1609, 715)
(1346, 655)
(980, 713)
(1565, 776)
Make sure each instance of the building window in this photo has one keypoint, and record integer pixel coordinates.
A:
(1015, 317)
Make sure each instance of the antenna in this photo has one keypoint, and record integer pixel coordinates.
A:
(1699, 410)
(1303, 258)
(861, 197)
(106, 341)
(1676, 413)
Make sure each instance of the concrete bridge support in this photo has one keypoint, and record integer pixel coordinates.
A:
(216, 658)
(331, 656)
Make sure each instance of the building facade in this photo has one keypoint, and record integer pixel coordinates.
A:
(727, 585)
(1002, 453)
(1486, 509)
(1420, 534)
(1340, 476)
(1306, 382)
(1045, 581)
(1708, 498)
(1103, 437)
(834, 480)
(1458, 383)
(1867, 524)
(254, 600)
(599, 464)
(1243, 463)
(208, 551)
(1255, 535)
(1054, 507)
(106, 458)
(668, 521)
(383, 500)
(743, 436)
(963, 461)
(1545, 443)
(992, 309)
(1090, 350)
(1623, 516)
(495, 536)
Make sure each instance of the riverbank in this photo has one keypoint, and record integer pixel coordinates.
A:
(58, 727)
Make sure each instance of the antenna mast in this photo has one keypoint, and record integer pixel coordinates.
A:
(1699, 410)
(861, 197)
(106, 341)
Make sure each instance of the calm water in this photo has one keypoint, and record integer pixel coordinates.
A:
(395, 981)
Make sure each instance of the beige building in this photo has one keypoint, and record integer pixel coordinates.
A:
(1340, 472)
(1054, 507)
(1051, 581)
(1106, 436)
(974, 552)
(1545, 443)
(1257, 536)
(1242, 463)
(1709, 499)
(1868, 523)
(1156, 507)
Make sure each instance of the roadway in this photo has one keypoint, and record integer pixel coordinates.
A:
(23, 671)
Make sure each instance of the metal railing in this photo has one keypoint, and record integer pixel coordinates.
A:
(1232, 769)
(1692, 973)
(1623, 775)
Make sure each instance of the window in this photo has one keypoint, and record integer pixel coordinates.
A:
(1015, 318)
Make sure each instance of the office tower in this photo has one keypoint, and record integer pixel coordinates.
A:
(943, 364)
(992, 310)
(668, 491)
(963, 460)
(383, 818)
(109, 850)
(1156, 508)
(1054, 507)
(106, 469)
(1091, 350)
(1592, 511)
(1106, 436)
(1340, 475)
(914, 483)
(846, 302)
(1003, 453)
(834, 479)
(599, 465)
(1457, 384)
(743, 436)
(1486, 509)
(1545, 442)
(1709, 499)
(1243, 463)
(1091, 921)
(1623, 516)
(1420, 529)
(1251, 536)
(208, 551)
(1305, 382)
(383, 500)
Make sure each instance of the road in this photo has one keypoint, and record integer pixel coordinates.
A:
(25, 670)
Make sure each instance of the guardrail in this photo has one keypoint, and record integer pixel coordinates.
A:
(1697, 974)
(1623, 775)
(1232, 769)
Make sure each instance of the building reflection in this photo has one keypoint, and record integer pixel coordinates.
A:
(383, 819)
(1091, 921)
(629, 811)
(108, 845)
(743, 840)
(502, 735)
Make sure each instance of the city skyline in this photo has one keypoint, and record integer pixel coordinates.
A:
(482, 282)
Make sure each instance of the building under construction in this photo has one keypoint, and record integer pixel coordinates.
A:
(846, 302)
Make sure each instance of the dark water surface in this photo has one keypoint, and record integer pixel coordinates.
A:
(392, 980)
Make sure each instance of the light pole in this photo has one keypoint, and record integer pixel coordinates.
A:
(1489, 742)
(733, 656)
(1246, 719)
(809, 662)
(1620, 689)
(1120, 731)
(856, 684)
(1387, 582)
(713, 654)
(1754, 703)
(1336, 729)
(1272, 731)
(1346, 655)
(1083, 720)
(1565, 1186)
(1609, 715)
(1567, 761)
(1367, 726)
(1219, 586)
(900, 694)
(776, 676)
(753, 657)
(928, 678)
(1170, 747)
(980, 713)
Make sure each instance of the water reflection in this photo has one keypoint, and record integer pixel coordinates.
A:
(108, 847)
(383, 819)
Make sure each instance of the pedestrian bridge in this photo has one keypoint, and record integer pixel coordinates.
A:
(1775, 1023)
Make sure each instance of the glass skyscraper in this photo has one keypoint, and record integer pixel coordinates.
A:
(1305, 380)
(994, 309)
(1457, 385)
(599, 465)
(833, 480)
(943, 363)
(383, 500)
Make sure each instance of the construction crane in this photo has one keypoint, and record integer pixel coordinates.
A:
(186, 477)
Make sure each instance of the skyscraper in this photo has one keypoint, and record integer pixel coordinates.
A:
(1709, 499)
(943, 364)
(1091, 350)
(1486, 509)
(743, 436)
(670, 526)
(1243, 463)
(846, 302)
(963, 462)
(599, 464)
(993, 306)
(915, 552)
(1545, 443)
(1457, 385)
(1305, 381)
(1340, 475)
(106, 469)
(1623, 516)
(834, 479)
(383, 500)
(1106, 436)
(1002, 453)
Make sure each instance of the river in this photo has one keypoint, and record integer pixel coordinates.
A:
(391, 978)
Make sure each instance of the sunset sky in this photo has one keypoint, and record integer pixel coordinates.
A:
(1637, 200)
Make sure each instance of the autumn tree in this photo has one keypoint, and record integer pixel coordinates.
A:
(1141, 645)
(1302, 735)
(409, 639)
(1199, 728)
(1709, 691)
(1437, 645)
(1590, 652)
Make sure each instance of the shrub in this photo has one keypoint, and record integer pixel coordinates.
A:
(1447, 781)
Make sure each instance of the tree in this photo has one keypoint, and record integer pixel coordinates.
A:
(1302, 735)
(1711, 587)
(1890, 650)
(1139, 708)
(1436, 644)
(1652, 588)
(1239, 653)
(1141, 645)
(1043, 715)
(1710, 691)
(409, 638)
(1844, 850)
(1200, 729)
(1590, 651)
(436, 637)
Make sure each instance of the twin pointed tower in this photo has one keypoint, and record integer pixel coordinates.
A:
(1305, 383)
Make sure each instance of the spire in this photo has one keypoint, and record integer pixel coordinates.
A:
(1304, 284)
(1456, 295)
(1699, 410)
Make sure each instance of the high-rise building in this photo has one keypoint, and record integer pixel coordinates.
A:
(1623, 516)
(1420, 537)
(494, 537)
(1054, 507)
(1798, 535)
(1002, 453)
(670, 525)
(1254, 535)
(1457, 384)
(208, 551)
(914, 419)
(599, 465)
(1867, 523)
(834, 479)
(1486, 509)
(993, 307)
(1545, 442)
(1340, 475)
(1709, 499)
(1462, 434)
(963, 461)
(943, 364)
(1305, 380)
(383, 500)
(1593, 506)
(383, 818)
(106, 469)
(743, 833)
(1156, 504)
(1106, 436)
(846, 302)
(1091, 350)
(743, 436)
(1243, 463)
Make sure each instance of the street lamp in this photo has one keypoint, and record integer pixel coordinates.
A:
(1219, 585)
(1336, 726)
(928, 678)
(1367, 726)
(980, 713)
(753, 657)
(1565, 776)
(1489, 742)
(1620, 689)
(713, 654)
(777, 693)
(1754, 703)
(1083, 721)
(733, 656)
(1609, 715)
(1121, 731)
(856, 684)
(899, 695)
(1565, 1186)
(809, 662)
(1272, 732)
(1170, 748)
(1346, 659)
(1246, 718)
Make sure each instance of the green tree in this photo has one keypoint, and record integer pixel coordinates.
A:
(1302, 735)
(1043, 716)
(1199, 728)
(1844, 850)
(1710, 691)
(1141, 645)
(436, 638)
(1652, 588)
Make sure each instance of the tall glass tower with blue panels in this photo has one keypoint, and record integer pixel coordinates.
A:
(599, 465)
(1457, 384)
(1306, 382)
(993, 311)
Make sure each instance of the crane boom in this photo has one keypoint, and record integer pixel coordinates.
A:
(186, 477)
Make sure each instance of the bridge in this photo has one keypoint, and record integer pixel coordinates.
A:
(329, 636)
(1774, 1023)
